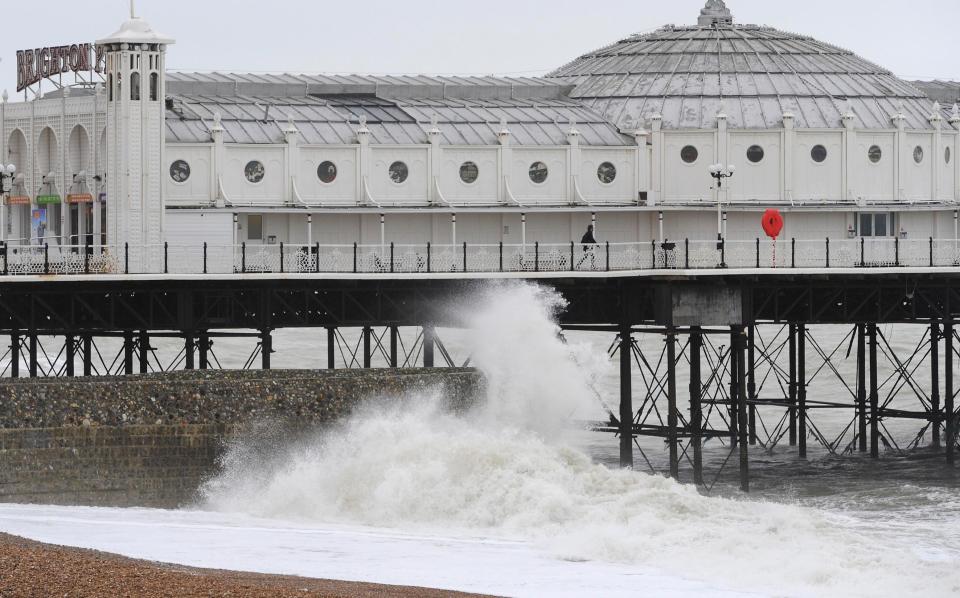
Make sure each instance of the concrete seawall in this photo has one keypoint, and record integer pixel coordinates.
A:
(152, 440)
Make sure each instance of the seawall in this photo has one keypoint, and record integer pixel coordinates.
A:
(152, 440)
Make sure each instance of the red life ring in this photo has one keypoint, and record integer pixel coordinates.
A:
(772, 223)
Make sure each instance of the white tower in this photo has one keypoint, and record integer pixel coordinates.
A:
(136, 88)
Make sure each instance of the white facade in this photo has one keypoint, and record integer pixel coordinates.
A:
(246, 159)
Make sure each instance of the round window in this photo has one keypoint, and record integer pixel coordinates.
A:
(539, 172)
(327, 172)
(469, 172)
(180, 171)
(689, 154)
(755, 154)
(875, 154)
(399, 172)
(918, 154)
(946, 155)
(607, 173)
(818, 154)
(254, 171)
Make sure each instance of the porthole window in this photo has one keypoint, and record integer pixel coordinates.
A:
(180, 171)
(469, 172)
(689, 154)
(875, 154)
(254, 171)
(607, 173)
(918, 154)
(539, 172)
(818, 154)
(946, 155)
(399, 172)
(755, 154)
(327, 172)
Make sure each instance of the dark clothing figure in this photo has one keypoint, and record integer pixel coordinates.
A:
(589, 242)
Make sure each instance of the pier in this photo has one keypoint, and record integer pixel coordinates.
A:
(743, 338)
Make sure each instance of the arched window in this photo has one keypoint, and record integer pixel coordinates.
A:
(154, 86)
(110, 87)
(135, 86)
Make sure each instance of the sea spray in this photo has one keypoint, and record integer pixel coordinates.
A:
(509, 469)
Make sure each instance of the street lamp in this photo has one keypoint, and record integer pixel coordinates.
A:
(720, 172)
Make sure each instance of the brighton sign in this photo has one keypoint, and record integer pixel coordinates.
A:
(36, 65)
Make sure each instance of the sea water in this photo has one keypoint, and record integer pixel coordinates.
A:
(511, 498)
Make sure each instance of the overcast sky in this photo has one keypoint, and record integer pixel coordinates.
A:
(915, 39)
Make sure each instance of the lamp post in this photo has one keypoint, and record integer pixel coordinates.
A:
(721, 172)
(7, 175)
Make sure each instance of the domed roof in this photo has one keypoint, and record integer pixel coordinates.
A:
(752, 74)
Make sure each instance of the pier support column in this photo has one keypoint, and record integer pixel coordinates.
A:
(802, 389)
(331, 348)
(127, 353)
(696, 407)
(739, 346)
(792, 389)
(15, 354)
(429, 345)
(951, 425)
(204, 352)
(672, 419)
(862, 386)
(734, 390)
(70, 344)
(33, 364)
(752, 383)
(144, 352)
(266, 348)
(87, 355)
(874, 394)
(190, 352)
(626, 398)
(394, 344)
(935, 415)
(367, 348)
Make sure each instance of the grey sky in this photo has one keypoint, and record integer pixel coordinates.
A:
(914, 39)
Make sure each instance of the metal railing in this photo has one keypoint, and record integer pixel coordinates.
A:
(468, 258)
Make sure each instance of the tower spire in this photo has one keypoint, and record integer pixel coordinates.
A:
(133, 11)
(714, 14)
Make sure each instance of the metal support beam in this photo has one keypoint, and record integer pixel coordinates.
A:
(792, 349)
(15, 354)
(190, 352)
(752, 382)
(144, 352)
(734, 390)
(331, 348)
(127, 353)
(394, 347)
(696, 412)
(672, 419)
(626, 399)
(204, 352)
(429, 345)
(862, 386)
(33, 365)
(70, 345)
(739, 347)
(802, 389)
(87, 355)
(874, 394)
(935, 416)
(951, 425)
(367, 348)
(266, 348)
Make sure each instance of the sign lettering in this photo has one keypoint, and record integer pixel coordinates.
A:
(38, 64)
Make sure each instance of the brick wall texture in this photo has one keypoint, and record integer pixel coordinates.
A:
(151, 441)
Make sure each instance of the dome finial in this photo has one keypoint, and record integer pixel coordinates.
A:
(714, 14)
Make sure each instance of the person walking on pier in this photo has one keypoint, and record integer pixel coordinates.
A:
(589, 242)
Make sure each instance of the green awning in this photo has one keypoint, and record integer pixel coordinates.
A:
(46, 200)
